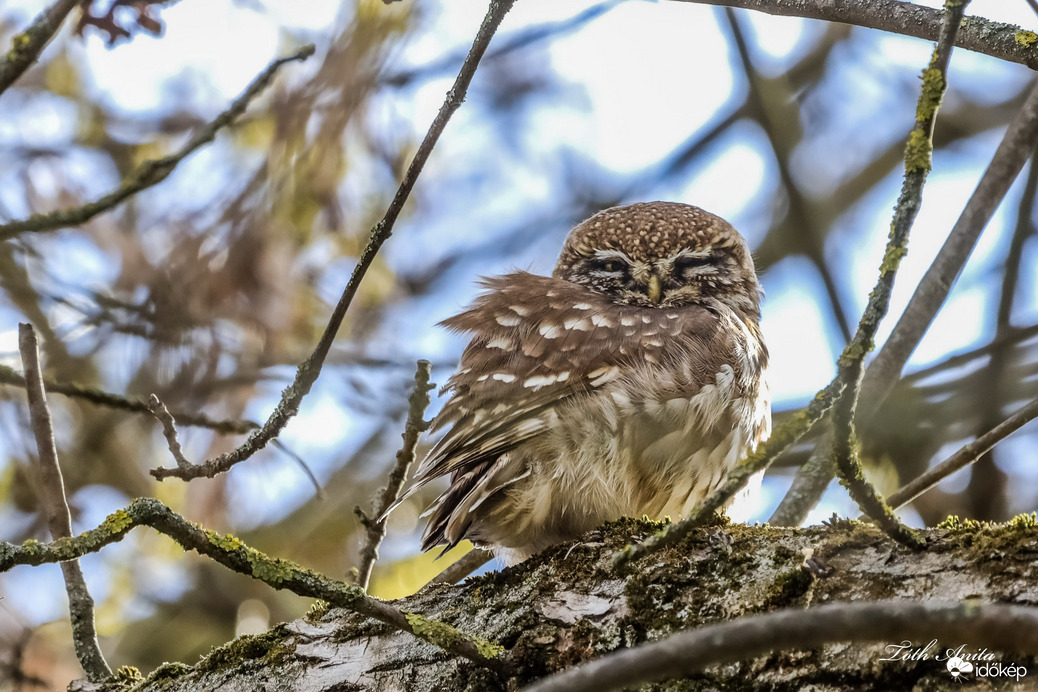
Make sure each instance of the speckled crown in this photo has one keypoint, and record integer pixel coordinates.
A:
(647, 230)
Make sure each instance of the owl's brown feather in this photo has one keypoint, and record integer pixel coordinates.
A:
(630, 382)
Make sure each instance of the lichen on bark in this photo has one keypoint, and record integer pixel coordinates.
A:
(569, 605)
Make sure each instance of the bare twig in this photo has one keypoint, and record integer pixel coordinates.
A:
(52, 497)
(169, 430)
(310, 369)
(1013, 151)
(151, 172)
(463, 566)
(116, 401)
(784, 437)
(996, 39)
(375, 526)
(965, 456)
(27, 46)
(232, 553)
(995, 626)
(852, 363)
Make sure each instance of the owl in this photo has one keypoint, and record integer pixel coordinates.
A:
(628, 383)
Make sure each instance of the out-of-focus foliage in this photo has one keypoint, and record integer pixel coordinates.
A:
(208, 289)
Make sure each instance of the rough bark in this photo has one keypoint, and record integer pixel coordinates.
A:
(569, 605)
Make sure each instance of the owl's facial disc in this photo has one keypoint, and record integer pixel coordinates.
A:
(667, 282)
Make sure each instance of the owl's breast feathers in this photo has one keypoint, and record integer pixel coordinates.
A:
(543, 348)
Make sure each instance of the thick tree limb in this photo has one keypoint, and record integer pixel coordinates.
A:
(1004, 627)
(232, 553)
(55, 506)
(310, 369)
(567, 606)
(152, 172)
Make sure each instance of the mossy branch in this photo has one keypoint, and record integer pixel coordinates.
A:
(310, 369)
(26, 46)
(232, 553)
(783, 437)
(852, 362)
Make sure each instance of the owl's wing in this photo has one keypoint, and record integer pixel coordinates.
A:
(538, 341)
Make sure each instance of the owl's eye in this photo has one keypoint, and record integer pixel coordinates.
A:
(609, 265)
(686, 263)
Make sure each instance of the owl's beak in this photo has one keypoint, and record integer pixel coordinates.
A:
(655, 291)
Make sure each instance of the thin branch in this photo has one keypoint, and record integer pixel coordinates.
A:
(918, 154)
(463, 566)
(151, 172)
(9, 376)
(998, 39)
(784, 437)
(310, 369)
(882, 374)
(807, 238)
(232, 553)
(52, 497)
(375, 528)
(169, 430)
(965, 456)
(995, 626)
(27, 46)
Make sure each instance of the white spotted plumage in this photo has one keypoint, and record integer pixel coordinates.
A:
(628, 383)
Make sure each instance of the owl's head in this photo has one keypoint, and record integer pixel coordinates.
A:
(661, 254)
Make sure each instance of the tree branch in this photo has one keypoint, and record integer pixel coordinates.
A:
(310, 369)
(27, 46)
(52, 498)
(965, 456)
(918, 153)
(151, 172)
(116, 401)
(997, 626)
(884, 371)
(232, 553)
(997, 39)
(375, 526)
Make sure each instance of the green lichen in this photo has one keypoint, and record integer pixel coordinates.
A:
(918, 152)
(445, 636)
(267, 569)
(787, 588)
(168, 671)
(270, 646)
(32, 547)
(892, 258)
(930, 98)
(128, 675)
(1025, 38)
(116, 522)
(317, 610)
(854, 353)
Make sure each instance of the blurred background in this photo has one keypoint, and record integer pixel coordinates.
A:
(210, 288)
